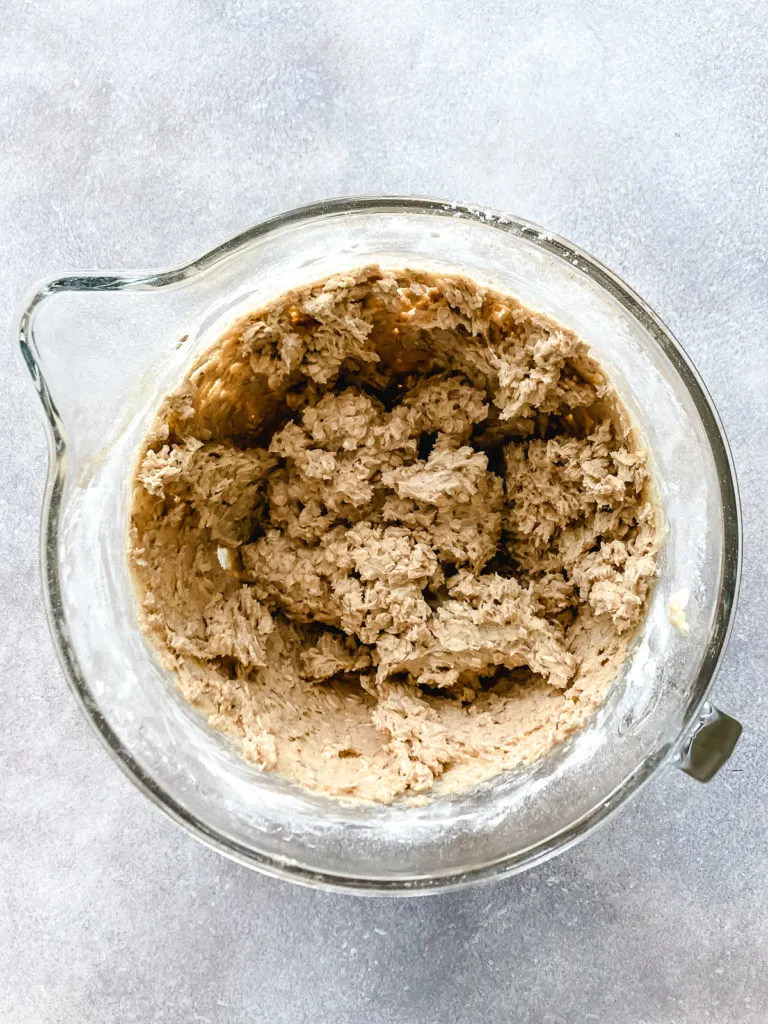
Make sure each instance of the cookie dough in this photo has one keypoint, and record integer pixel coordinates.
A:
(393, 529)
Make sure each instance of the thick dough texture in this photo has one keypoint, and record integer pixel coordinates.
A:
(393, 529)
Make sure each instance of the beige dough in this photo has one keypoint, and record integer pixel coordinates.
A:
(394, 529)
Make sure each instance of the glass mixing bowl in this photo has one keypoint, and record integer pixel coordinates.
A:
(104, 348)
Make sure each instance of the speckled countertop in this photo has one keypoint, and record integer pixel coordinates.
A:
(136, 134)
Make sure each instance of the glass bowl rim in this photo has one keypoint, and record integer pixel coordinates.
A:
(580, 261)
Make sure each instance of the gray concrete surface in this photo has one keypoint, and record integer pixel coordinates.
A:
(134, 133)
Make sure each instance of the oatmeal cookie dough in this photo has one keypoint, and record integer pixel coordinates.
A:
(393, 529)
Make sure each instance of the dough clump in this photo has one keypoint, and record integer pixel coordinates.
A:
(393, 529)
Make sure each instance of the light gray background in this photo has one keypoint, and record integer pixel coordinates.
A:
(138, 132)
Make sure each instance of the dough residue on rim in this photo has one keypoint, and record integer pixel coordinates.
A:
(393, 529)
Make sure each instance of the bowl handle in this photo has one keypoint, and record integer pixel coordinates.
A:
(709, 744)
